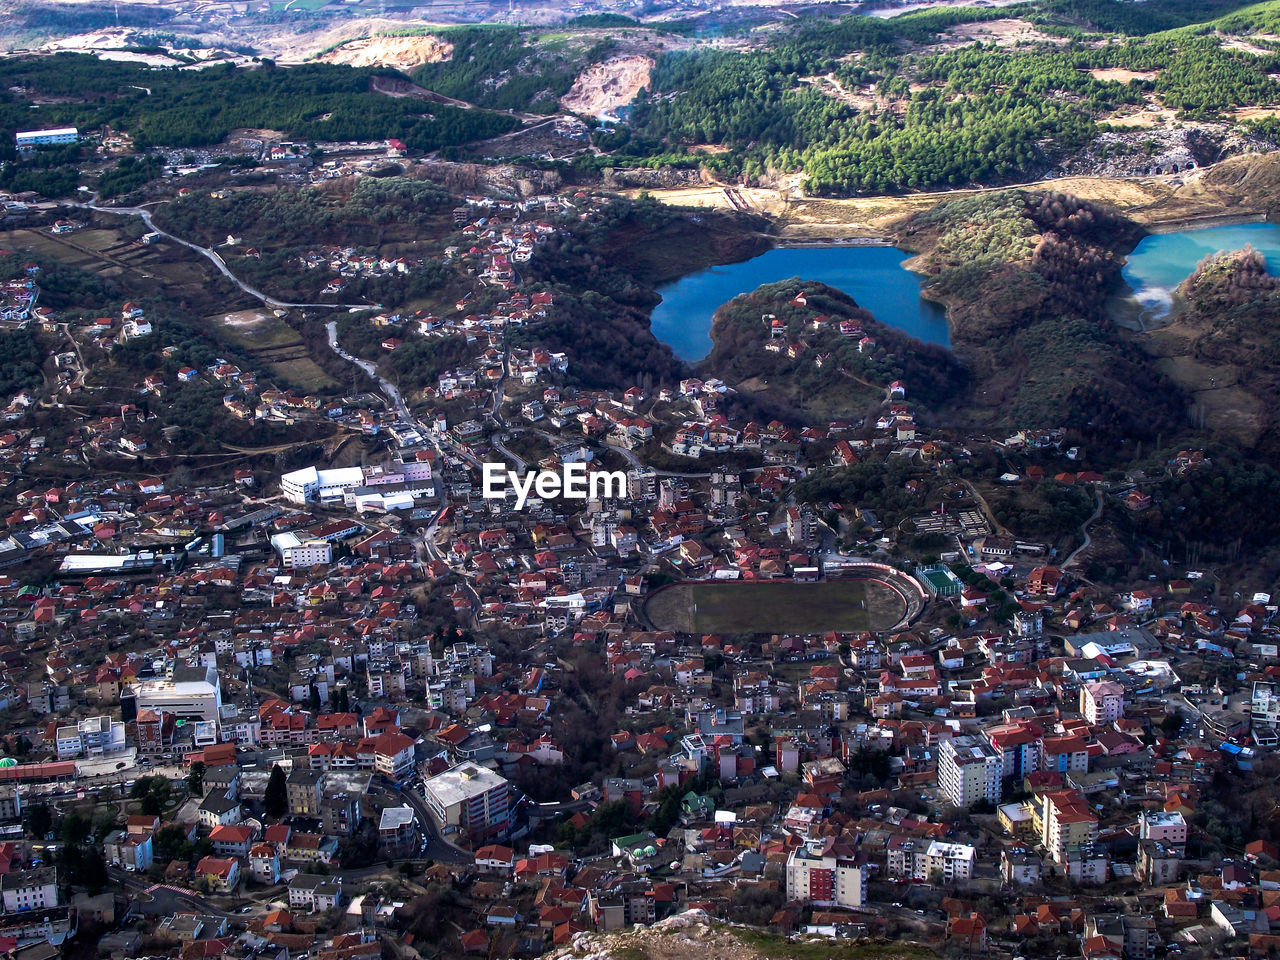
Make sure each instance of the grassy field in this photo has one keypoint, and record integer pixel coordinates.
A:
(163, 270)
(276, 345)
(783, 607)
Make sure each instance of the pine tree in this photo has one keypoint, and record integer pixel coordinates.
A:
(276, 800)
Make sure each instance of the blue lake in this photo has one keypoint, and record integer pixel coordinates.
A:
(1161, 261)
(873, 276)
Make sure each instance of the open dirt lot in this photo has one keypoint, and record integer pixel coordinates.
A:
(160, 269)
(1003, 33)
(1152, 201)
(400, 53)
(274, 344)
(1220, 399)
(601, 90)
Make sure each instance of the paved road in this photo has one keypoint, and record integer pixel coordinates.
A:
(1084, 529)
(389, 388)
(162, 900)
(213, 257)
(519, 462)
(438, 849)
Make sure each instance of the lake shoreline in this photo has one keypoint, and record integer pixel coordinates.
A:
(871, 273)
(1160, 264)
(1208, 222)
(822, 243)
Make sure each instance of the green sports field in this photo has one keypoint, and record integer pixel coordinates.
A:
(776, 607)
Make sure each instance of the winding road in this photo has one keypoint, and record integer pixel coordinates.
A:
(388, 388)
(213, 257)
(1084, 529)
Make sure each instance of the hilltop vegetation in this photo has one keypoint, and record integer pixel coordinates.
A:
(1024, 275)
(915, 117)
(284, 225)
(176, 108)
(602, 298)
(498, 67)
(847, 380)
(858, 104)
(1230, 326)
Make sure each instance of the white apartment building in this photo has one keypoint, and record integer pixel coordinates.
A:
(296, 553)
(29, 890)
(816, 875)
(969, 770)
(471, 799)
(93, 737)
(192, 693)
(1264, 710)
(927, 861)
(949, 861)
(346, 484)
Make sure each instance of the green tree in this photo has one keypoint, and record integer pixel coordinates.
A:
(195, 779)
(157, 797)
(276, 800)
(39, 820)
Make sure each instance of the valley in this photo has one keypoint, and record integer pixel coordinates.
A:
(920, 363)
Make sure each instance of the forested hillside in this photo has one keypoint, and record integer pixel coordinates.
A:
(1024, 275)
(831, 372)
(930, 119)
(858, 105)
(197, 108)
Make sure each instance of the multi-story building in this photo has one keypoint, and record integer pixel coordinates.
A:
(393, 755)
(1019, 747)
(29, 139)
(397, 831)
(1168, 828)
(945, 862)
(1264, 712)
(969, 770)
(471, 800)
(1102, 702)
(30, 889)
(390, 485)
(298, 552)
(218, 874)
(264, 863)
(93, 737)
(1065, 754)
(930, 861)
(1157, 864)
(1068, 824)
(231, 840)
(314, 893)
(192, 693)
(155, 731)
(127, 850)
(304, 788)
(825, 874)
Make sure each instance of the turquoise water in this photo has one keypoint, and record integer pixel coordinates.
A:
(1162, 261)
(873, 276)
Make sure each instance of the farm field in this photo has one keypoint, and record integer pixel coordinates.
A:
(277, 346)
(161, 270)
